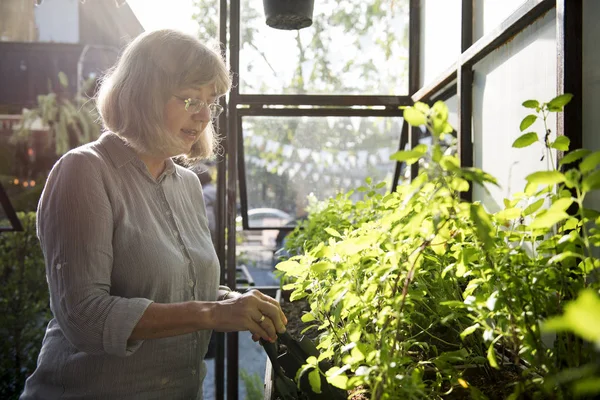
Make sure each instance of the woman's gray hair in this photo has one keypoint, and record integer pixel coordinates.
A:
(133, 94)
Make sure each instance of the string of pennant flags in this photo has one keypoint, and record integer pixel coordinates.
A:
(300, 160)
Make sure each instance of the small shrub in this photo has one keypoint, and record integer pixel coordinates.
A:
(24, 305)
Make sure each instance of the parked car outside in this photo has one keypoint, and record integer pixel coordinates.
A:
(263, 218)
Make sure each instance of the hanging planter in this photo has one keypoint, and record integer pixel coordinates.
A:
(288, 14)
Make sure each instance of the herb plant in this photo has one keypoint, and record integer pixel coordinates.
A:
(413, 289)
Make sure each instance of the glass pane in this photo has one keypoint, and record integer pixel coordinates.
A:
(522, 69)
(591, 88)
(440, 37)
(488, 14)
(289, 158)
(352, 47)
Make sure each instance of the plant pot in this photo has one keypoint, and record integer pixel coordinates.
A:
(288, 14)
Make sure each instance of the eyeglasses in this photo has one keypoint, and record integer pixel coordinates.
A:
(194, 106)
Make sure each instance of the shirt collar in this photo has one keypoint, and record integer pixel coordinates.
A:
(121, 153)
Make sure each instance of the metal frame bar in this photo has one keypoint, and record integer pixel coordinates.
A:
(414, 75)
(10, 213)
(221, 212)
(323, 100)
(232, 143)
(320, 112)
(569, 22)
(465, 95)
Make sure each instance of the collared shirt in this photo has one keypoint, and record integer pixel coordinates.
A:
(115, 240)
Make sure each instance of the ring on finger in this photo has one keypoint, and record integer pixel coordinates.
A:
(262, 318)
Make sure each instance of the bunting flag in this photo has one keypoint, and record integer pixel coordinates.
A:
(316, 156)
(288, 150)
(294, 170)
(258, 141)
(362, 158)
(352, 160)
(303, 153)
(384, 154)
(341, 157)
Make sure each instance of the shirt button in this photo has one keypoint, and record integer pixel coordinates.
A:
(191, 283)
(182, 247)
(164, 381)
(194, 371)
(168, 212)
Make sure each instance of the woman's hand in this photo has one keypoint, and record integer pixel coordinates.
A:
(252, 311)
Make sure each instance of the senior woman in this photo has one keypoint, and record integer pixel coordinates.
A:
(132, 272)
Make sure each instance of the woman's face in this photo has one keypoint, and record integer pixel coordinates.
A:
(187, 125)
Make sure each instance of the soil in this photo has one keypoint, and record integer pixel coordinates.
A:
(492, 383)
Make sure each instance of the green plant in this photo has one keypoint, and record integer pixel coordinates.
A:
(409, 287)
(253, 384)
(582, 317)
(69, 123)
(24, 305)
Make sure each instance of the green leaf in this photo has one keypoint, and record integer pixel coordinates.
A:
(561, 143)
(560, 101)
(590, 162)
(477, 175)
(441, 110)
(339, 381)
(483, 225)
(490, 303)
(574, 156)
(527, 122)
(414, 117)
(423, 108)
(410, 156)
(531, 104)
(333, 232)
(308, 317)
(469, 330)
(586, 266)
(291, 267)
(508, 214)
(525, 140)
(591, 182)
(548, 219)
(533, 207)
(491, 356)
(356, 354)
(586, 386)
(545, 178)
(562, 204)
(62, 78)
(563, 256)
(314, 378)
(321, 266)
(449, 163)
(581, 316)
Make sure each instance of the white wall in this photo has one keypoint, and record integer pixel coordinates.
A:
(522, 69)
(440, 37)
(488, 14)
(58, 21)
